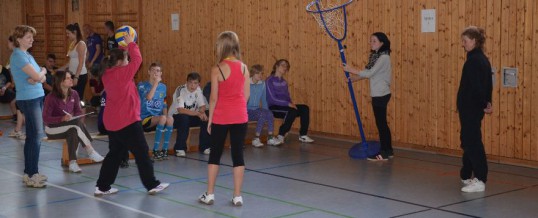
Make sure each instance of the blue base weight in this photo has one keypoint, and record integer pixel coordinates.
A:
(364, 149)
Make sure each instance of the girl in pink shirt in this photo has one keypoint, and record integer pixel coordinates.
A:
(230, 90)
(122, 120)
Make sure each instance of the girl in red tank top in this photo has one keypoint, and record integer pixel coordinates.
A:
(230, 90)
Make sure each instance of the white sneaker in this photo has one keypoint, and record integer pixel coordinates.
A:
(207, 151)
(96, 157)
(73, 167)
(207, 198)
(41, 177)
(306, 139)
(180, 153)
(237, 201)
(466, 182)
(274, 141)
(14, 133)
(35, 181)
(101, 193)
(280, 138)
(159, 188)
(475, 186)
(256, 142)
(17, 134)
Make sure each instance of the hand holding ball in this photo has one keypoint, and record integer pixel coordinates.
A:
(125, 35)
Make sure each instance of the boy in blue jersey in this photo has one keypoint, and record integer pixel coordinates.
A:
(154, 110)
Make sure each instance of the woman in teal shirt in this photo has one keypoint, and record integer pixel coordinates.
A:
(28, 77)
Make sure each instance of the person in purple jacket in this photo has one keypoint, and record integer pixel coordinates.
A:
(59, 110)
(279, 101)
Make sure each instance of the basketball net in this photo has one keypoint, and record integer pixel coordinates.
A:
(331, 16)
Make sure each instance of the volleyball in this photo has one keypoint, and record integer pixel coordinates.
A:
(122, 31)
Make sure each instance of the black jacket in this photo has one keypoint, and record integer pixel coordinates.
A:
(476, 82)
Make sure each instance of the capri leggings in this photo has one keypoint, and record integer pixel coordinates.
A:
(237, 138)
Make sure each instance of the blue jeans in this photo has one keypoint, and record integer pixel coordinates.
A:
(33, 112)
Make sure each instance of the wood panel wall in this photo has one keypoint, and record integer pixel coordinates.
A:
(10, 16)
(426, 66)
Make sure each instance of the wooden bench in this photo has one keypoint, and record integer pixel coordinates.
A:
(251, 131)
(65, 153)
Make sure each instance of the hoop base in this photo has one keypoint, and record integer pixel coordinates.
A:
(362, 150)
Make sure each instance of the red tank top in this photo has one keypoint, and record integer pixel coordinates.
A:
(231, 107)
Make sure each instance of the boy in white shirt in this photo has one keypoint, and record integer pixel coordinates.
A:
(188, 110)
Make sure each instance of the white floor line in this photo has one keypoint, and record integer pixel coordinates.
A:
(90, 196)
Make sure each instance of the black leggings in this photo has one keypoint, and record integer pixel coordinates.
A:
(81, 85)
(237, 138)
(379, 105)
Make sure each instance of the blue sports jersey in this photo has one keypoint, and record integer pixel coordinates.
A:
(155, 106)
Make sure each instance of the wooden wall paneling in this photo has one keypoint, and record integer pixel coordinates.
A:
(534, 96)
(511, 61)
(397, 64)
(503, 106)
(527, 83)
(11, 17)
(454, 74)
(443, 37)
(415, 73)
(519, 63)
(428, 62)
(405, 116)
(35, 16)
(435, 94)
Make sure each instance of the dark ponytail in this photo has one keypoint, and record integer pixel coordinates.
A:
(111, 60)
(75, 29)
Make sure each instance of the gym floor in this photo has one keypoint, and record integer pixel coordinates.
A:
(294, 180)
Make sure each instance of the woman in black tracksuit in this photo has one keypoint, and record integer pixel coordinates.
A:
(474, 100)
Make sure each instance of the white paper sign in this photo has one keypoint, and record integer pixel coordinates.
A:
(175, 22)
(428, 20)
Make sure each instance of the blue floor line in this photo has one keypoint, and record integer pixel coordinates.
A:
(52, 202)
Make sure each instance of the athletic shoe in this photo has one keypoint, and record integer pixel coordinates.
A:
(274, 141)
(207, 151)
(35, 182)
(17, 134)
(208, 199)
(73, 167)
(180, 153)
(159, 188)
(96, 157)
(237, 201)
(280, 139)
(14, 133)
(256, 143)
(156, 155)
(101, 193)
(475, 186)
(41, 177)
(378, 157)
(466, 182)
(124, 164)
(306, 139)
(164, 154)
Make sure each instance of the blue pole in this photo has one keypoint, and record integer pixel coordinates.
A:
(351, 92)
